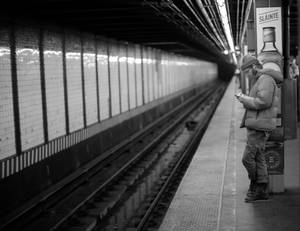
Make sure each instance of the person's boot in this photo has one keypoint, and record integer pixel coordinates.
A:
(261, 193)
(252, 188)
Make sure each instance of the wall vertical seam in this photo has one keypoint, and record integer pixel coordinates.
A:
(12, 39)
(65, 83)
(43, 85)
(83, 81)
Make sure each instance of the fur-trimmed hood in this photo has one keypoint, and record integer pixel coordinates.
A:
(276, 75)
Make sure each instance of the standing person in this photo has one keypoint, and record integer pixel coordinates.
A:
(293, 69)
(260, 120)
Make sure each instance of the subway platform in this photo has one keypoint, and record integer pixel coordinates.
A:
(211, 194)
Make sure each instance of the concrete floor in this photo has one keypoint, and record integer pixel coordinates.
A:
(282, 211)
(211, 195)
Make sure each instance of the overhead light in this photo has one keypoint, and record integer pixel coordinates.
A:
(225, 22)
(225, 52)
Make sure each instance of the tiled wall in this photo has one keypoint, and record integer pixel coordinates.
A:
(7, 126)
(55, 85)
(131, 77)
(114, 79)
(29, 87)
(150, 81)
(90, 80)
(54, 81)
(145, 67)
(74, 81)
(103, 72)
(138, 71)
(123, 78)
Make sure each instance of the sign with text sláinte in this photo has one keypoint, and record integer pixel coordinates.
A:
(268, 17)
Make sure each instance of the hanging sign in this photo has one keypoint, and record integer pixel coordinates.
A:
(268, 17)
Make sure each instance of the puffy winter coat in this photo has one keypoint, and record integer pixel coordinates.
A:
(262, 105)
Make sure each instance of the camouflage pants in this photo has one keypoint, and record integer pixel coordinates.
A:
(254, 155)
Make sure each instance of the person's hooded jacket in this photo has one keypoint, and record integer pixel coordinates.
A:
(263, 103)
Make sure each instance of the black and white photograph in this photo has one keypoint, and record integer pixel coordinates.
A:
(150, 115)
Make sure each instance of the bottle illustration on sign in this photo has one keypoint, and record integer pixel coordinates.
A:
(269, 55)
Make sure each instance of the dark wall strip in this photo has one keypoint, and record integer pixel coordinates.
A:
(135, 76)
(15, 166)
(109, 84)
(65, 83)
(127, 69)
(2, 170)
(153, 74)
(43, 85)
(82, 82)
(15, 90)
(97, 79)
(119, 78)
(148, 76)
(142, 69)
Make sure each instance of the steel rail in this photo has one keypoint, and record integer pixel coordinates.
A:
(41, 201)
(85, 173)
(187, 153)
(123, 169)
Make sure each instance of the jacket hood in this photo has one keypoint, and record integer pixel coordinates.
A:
(276, 75)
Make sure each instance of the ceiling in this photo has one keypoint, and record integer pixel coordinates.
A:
(187, 27)
(177, 26)
(237, 10)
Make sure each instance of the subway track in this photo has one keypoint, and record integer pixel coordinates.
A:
(129, 187)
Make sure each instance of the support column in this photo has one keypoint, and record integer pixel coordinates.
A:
(268, 17)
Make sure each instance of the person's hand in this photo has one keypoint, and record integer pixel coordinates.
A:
(239, 95)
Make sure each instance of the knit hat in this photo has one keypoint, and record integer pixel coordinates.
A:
(248, 61)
